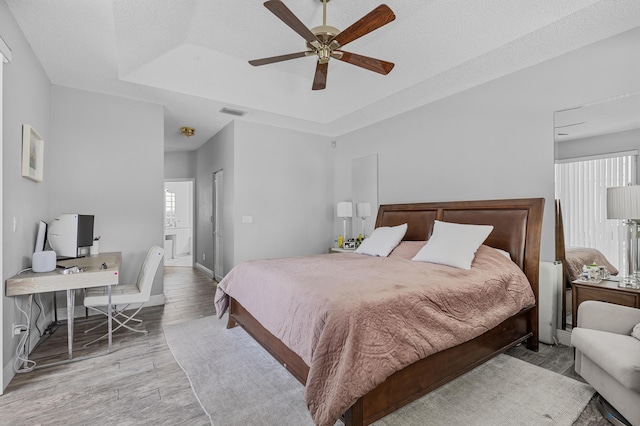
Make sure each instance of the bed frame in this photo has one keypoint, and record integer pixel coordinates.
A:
(561, 256)
(517, 228)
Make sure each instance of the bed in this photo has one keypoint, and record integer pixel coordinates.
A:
(517, 227)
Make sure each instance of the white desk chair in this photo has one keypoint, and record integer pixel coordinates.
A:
(126, 294)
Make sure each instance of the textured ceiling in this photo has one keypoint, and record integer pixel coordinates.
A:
(191, 55)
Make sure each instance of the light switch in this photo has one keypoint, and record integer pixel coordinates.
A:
(15, 224)
(247, 219)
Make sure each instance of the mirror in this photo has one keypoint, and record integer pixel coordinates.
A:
(364, 187)
(596, 146)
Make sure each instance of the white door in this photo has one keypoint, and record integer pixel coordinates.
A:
(218, 197)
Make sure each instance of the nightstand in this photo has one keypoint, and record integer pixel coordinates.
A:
(341, 250)
(604, 291)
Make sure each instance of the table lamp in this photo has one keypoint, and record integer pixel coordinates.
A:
(345, 210)
(363, 211)
(624, 203)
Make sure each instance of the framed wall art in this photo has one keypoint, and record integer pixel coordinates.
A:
(32, 153)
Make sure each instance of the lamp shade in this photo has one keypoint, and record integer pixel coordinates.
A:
(345, 209)
(363, 210)
(623, 202)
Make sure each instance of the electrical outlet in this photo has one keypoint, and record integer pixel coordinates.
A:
(204, 256)
(16, 329)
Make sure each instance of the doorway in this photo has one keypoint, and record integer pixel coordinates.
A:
(178, 222)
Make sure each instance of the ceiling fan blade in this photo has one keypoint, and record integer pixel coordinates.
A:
(272, 59)
(281, 11)
(372, 64)
(373, 20)
(320, 79)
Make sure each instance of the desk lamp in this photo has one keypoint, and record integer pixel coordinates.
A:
(345, 210)
(363, 211)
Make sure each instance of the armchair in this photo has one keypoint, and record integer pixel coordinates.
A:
(607, 356)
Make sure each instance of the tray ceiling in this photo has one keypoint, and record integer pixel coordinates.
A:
(191, 55)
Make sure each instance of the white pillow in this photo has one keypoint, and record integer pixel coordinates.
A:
(453, 244)
(503, 252)
(636, 331)
(382, 240)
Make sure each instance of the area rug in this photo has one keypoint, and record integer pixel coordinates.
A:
(238, 383)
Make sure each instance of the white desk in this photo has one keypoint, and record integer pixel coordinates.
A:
(30, 283)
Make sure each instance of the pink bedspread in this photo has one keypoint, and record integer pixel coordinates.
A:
(577, 257)
(356, 319)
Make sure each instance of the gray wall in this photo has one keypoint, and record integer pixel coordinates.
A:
(27, 95)
(217, 154)
(109, 161)
(492, 141)
(283, 179)
(180, 165)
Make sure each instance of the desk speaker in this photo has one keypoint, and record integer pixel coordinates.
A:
(43, 261)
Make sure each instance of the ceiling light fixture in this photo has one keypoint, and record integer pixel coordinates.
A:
(187, 131)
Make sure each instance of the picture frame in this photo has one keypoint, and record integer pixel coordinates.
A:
(32, 153)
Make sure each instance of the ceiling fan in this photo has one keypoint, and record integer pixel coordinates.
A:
(326, 41)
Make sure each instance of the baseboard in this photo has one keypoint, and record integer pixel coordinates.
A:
(7, 375)
(204, 269)
(564, 337)
(79, 311)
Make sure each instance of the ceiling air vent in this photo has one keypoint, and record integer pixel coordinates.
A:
(235, 112)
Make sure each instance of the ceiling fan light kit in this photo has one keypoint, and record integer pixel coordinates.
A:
(326, 42)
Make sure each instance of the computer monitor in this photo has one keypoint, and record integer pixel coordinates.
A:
(41, 237)
(70, 232)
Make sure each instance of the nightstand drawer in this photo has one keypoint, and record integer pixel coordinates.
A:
(604, 291)
(617, 297)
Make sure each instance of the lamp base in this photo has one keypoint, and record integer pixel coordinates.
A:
(628, 282)
(635, 286)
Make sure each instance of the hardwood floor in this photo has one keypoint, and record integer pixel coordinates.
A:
(141, 384)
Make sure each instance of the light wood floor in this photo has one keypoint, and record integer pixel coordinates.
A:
(141, 384)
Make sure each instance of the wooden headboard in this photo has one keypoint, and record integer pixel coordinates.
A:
(517, 225)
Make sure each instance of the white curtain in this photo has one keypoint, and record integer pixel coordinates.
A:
(581, 186)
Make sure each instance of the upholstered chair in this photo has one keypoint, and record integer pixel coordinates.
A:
(608, 356)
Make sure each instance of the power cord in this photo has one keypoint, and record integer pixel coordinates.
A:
(40, 310)
(21, 349)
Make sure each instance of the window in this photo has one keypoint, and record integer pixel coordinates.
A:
(170, 208)
(581, 187)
